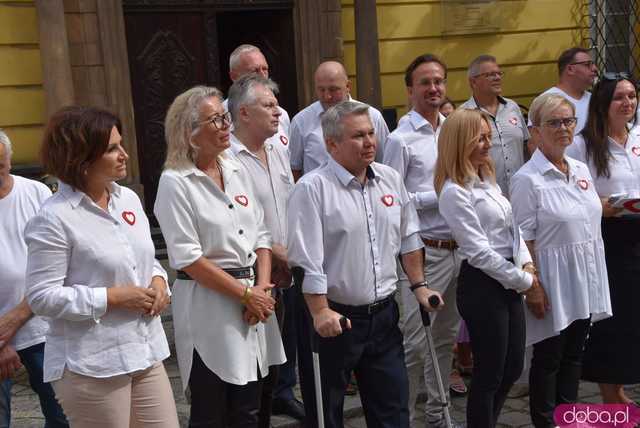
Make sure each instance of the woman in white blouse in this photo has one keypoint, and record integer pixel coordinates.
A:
(91, 268)
(612, 153)
(496, 268)
(558, 210)
(226, 338)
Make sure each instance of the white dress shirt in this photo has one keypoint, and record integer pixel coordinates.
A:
(482, 224)
(76, 251)
(509, 133)
(412, 150)
(16, 208)
(198, 220)
(272, 183)
(346, 236)
(624, 166)
(563, 218)
(307, 146)
(280, 138)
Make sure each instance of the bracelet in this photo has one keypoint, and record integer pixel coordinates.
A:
(246, 296)
(417, 285)
(535, 270)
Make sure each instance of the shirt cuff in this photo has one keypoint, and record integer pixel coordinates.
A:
(527, 282)
(99, 303)
(411, 243)
(314, 283)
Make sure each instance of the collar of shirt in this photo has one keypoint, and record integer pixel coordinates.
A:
(472, 101)
(418, 121)
(76, 196)
(345, 177)
(544, 165)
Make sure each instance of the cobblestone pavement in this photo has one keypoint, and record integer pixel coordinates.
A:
(26, 410)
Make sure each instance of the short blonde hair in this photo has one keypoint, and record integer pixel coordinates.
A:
(545, 104)
(457, 140)
(182, 122)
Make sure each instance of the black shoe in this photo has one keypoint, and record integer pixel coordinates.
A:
(293, 408)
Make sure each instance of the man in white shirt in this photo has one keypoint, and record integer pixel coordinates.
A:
(255, 112)
(247, 59)
(509, 131)
(307, 148)
(577, 72)
(412, 150)
(22, 335)
(348, 222)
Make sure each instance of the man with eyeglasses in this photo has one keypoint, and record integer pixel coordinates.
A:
(412, 150)
(577, 72)
(509, 131)
(247, 59)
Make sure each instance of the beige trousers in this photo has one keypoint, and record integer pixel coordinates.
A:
(141, 399)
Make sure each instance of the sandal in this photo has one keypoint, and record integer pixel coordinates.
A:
(456, 384)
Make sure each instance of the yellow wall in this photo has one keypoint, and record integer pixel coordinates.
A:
(22, 103)
(529, 36)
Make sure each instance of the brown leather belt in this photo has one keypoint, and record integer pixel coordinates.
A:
(444, 245)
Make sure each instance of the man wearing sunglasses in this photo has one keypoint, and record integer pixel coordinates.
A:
(509, 132)
(577, 72)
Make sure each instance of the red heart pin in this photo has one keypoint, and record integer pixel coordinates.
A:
(242, 200)
(633, 205)
(387, 200)
(514, 121)
(584, 184)
(284, 140)
(635, 150)
(129, 217)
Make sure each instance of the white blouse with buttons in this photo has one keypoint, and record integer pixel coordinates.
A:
(482, 224)
(76, 250)
(624, 166)
(563, 218)
(198, 220)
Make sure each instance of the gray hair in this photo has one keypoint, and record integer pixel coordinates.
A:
(237, 53)
(243, 92)
(181, 124)
(477, 62)
(333, 117)
(6, 142)
(546, 104)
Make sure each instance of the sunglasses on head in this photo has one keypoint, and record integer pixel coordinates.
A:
(616, 76)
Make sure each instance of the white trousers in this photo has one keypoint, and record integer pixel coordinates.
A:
(441, 272)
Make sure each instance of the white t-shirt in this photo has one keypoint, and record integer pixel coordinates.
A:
(22, 203)
(581, 105)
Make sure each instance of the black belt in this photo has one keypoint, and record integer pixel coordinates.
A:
(362, 310)
(237, 273)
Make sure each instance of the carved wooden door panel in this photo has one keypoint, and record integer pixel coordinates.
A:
(167, 54)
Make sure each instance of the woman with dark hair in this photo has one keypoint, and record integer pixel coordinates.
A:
(91, 269)
(612, 154)
(497, 268)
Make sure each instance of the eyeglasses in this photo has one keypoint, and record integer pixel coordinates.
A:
(435, 82)
(588, 63)
(616, 76)
(220, 121)
(568, 122)
(493, 75)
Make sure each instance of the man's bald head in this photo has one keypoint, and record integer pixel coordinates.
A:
(247, 59)
(331, 83)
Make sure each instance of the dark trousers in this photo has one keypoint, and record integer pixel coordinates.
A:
(270, 381)
(218, 404)
(373, 350)
(304, 330)
(495, 320)
(555, 372)
(287, 376)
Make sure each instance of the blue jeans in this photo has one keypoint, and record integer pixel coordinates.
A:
(5, 403)
(33, 359)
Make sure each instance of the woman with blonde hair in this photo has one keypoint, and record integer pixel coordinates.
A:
(496, 268)
(558, 210)
(213, 225)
